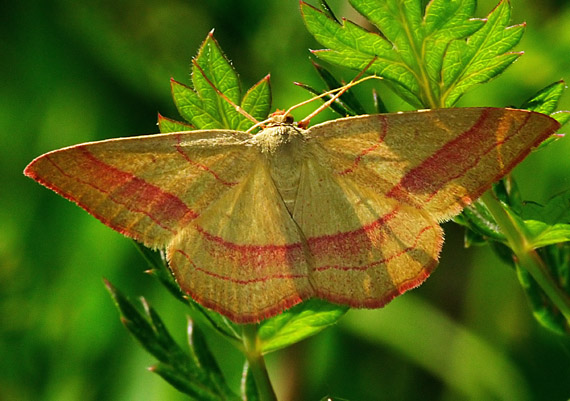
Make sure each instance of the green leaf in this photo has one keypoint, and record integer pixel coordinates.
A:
(201, 352)
(539, 233)
(379, 106)
(298, 323)
(562, 116)
(557, 257)
(347, 99)
(149, 330)
(137, 324)
(476, 217)
(182, 383)
(507, 191)
(480, 224)
(483, 56)
(345, 105)
(542, 234)
(472, 238)
(337, 106)
(354, 47)
(257, 102)
(174, 354)
(556, 210)
(169, 125)
(545, 100)
(429, 56)
(211, 103)
(222, 324)
(328, 11)
(548, 224)
(190, 107)
(215, 71)
(196, 374)
(504, 252)
(550, 242)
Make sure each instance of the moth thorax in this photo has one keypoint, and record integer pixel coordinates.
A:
(274, 137)
(285, 164)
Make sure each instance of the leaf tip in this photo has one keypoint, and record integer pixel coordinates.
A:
(303, 5)
(109, 286)
(316, 65)
(319, 51)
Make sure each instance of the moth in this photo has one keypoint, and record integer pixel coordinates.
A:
(347, 210)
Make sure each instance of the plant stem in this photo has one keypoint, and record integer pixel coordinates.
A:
(257, 363)
(527, 258)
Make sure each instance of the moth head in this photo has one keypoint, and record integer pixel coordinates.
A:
(281, 117)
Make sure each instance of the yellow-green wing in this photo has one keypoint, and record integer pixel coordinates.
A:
(365, 247)
(147, 187)
(372, 189)
(435, 160)
(244, 257)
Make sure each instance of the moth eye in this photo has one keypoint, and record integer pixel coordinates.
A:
(288, 119)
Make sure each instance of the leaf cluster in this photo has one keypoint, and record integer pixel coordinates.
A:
(547, 232)
(215, 83)
(194, 373)
(431, 56)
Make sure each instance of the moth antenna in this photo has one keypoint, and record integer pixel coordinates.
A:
(339, 91)
(227, 99)
(258, 124)
(272, 119)
(329, 92)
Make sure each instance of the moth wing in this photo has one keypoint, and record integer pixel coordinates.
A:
(435, 160)
(147, 187)
(244, 256)
(365, 247)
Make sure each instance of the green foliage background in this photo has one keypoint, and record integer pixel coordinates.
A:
(90, 70)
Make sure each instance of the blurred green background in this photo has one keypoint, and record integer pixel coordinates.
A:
(90, 70)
